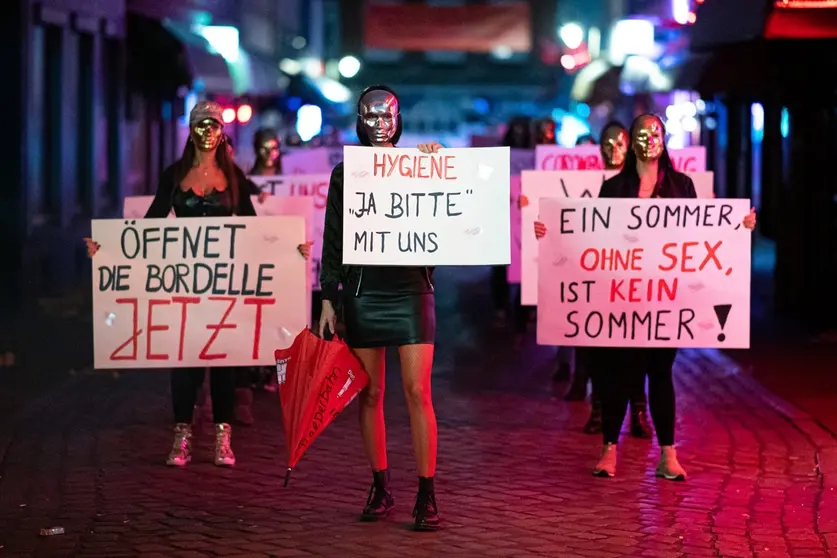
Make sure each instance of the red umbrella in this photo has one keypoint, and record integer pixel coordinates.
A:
(317, 380)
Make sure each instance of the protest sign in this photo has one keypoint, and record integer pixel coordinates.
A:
(314, 185)
(316, 160)
(644, 273)
(565, 184)
(404, 207)
(135, 207)
(175, 293)
(589, 157)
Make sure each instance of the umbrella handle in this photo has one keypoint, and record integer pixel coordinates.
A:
(287, 476)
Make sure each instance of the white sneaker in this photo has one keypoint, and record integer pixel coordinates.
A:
(224, 456)
(181, 451)
(606, 467)
(669, 468)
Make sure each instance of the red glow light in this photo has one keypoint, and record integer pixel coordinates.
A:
(228, 115)
(691, 18)
(245, 113)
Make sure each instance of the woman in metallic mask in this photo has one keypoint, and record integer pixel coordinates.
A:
(204, 182)
(384, 307)
(648, 173)
(268, 152)
(614, 149)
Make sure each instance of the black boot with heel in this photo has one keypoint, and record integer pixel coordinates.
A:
(380, 500)
(426, 514)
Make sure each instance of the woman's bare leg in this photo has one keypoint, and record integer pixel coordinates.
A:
(416, 366)
(372, 408)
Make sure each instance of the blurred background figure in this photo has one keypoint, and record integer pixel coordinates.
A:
(268, 152)
(586, 139)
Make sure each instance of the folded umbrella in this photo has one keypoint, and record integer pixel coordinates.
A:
(317, 380)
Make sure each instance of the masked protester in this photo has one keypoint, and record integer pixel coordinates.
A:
(204, 182)
(647, 173)
(268, 152)
(384, 307)
(614, 149)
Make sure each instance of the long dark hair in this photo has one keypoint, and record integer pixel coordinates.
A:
(664, 165)
(224, 160)
(612, 124)
(361, 130)
(527, 139)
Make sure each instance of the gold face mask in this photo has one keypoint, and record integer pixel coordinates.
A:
(268, 153)
(207, 134)
(648, 142)
(614, 147)
(379, 115)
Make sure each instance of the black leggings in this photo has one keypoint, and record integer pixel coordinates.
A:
(621, 373)
(185, 384)
(499, 287)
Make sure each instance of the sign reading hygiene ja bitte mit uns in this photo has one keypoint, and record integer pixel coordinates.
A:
(644, 273)
(224, 291)
(404, 207)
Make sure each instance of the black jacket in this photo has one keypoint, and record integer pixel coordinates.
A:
(670, 184)
(333, 273)
(215, 204)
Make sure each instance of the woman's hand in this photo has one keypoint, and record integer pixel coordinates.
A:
(750, 219)
(327, 318)
(522, 201)
(305, 249)
(540, 230)
(263, 196)
(92, 247)
(432, 147)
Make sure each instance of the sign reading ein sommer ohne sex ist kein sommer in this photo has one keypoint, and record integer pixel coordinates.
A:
(171, 293)
(644, 273)
(404, 207)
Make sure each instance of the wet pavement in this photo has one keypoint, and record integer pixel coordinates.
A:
(85, 451)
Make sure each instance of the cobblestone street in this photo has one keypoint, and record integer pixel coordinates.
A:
(85, 452)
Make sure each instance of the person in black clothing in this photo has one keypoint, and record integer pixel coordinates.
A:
(384, 307)
(614, 149)
(204, 182)
(648, 173)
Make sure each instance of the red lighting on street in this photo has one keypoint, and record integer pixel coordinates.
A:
(691, 18)
(228, 115)
(699, 1)
(245, 113)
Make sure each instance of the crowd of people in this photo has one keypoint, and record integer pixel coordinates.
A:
(382, 307)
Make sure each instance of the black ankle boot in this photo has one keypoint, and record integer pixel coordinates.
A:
(594, 423)
(380, 500)
(639, 421)
(426, 514)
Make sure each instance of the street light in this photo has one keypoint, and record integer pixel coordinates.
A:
(348, 66)
(572, 34)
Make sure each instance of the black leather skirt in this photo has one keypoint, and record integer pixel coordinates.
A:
(384, 320)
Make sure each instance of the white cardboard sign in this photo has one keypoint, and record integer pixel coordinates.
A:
(644, 273)
(570, 184)
(404, 207)
(170, 293)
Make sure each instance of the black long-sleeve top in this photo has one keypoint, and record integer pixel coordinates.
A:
(386, 280)
(670, 184)
(189, 204)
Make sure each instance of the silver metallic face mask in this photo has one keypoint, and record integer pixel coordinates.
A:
(379, 115)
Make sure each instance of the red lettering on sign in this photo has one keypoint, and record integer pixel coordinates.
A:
(414, 166)
(152, 328)
(670, 250)
(134, 336)
(183, 301)
(204, 354)
(257, 328)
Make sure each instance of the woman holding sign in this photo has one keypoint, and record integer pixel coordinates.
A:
(648, 173)
(384, 307)
(204, 182)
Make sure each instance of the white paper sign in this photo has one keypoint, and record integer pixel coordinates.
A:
(588, 157)
(570, 184)
(317, 160)
(314, 185)
(644, 273)
(172, 293)
(404, 207)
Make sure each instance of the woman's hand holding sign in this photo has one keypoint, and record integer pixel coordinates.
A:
(432, 147)
(92, 247)
(305, 249)
(540, 230)
(750, 219)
